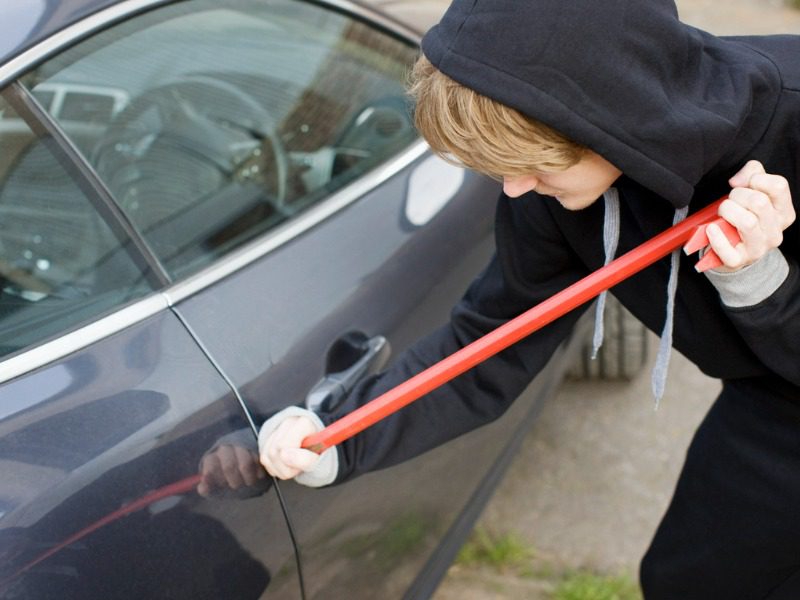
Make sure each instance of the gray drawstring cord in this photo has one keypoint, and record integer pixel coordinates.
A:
(611, 233)
(610, 242)
(659, 376)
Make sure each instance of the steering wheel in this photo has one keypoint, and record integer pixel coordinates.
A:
(187, 139)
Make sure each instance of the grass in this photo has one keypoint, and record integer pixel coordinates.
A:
(504, 553)
(508, 555)
(583, 585)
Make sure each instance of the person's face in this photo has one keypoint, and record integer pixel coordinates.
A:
(574, 188)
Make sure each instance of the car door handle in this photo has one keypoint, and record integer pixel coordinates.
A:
(351, 358)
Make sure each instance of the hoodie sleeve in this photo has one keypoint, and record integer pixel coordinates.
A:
(763, 301)
(532, 263)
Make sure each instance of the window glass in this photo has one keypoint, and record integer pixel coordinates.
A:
(60, 264)
(213, 124)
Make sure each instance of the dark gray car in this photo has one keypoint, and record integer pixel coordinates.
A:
(208, 209)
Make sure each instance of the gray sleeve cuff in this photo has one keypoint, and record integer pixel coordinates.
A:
(327, 467)
(752, 284)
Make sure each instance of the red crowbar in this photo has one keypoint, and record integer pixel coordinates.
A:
(511, 332)
(699, 240)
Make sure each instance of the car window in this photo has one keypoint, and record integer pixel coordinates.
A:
(60, 263)
(211, 125)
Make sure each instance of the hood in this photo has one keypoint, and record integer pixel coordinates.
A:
(664, 102)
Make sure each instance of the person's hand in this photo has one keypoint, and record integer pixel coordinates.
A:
(760, 207)
(279, 445)
(280, 451)
(228, 466)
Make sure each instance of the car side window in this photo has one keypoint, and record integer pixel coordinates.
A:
(60, 263)
(211, 125)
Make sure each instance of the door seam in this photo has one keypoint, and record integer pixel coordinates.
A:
(254, 428)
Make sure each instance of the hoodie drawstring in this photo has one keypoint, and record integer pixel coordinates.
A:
(610, 242)
(611, 233)
(659, 376)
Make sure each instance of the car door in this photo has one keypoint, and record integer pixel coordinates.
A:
(112, 417)
(266, 156)
(277, 135)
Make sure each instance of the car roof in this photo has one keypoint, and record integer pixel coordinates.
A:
(25, 23)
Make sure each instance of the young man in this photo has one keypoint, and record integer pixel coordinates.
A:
(570, 102)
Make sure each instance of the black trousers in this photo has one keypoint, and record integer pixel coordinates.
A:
(732, 530)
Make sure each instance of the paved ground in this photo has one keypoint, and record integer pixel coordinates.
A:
(597, 471)
(592, 480)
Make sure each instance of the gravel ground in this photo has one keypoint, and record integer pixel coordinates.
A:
(597, 471)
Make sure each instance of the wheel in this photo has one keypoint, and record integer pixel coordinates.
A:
(624, 350)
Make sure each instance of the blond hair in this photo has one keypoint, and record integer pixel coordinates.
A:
(472, 130)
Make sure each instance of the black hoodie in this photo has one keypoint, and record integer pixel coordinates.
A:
(679, 111)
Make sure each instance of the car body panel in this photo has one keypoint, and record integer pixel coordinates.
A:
(100, 457)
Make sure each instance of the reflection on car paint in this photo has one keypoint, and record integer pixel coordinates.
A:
(432, 184)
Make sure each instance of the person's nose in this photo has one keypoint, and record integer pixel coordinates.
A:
(514, 187)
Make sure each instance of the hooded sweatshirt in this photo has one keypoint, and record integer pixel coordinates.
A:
(679, 112)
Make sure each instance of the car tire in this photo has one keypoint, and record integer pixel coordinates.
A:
(623, 353)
